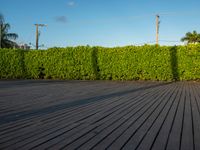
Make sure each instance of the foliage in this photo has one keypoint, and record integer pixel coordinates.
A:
(193, 37)
(12, 64)
(128, 63)
(6, 38)
(60, 63)
(90, 63)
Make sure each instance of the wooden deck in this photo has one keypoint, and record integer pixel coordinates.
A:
(99, 115)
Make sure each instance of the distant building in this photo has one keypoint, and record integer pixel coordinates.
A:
(25, 47)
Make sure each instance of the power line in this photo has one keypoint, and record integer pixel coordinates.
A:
(150, 42)
(169, 41)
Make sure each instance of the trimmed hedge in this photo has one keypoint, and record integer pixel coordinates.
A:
(91, 63)
(12, 64)
(127, 63)
(60, 63)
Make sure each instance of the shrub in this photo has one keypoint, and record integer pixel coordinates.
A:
(90, 63)
(131, 62)
(12, 64)
(60, 63)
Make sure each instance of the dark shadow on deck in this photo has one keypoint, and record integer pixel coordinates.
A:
(174, 63)
(51, 109)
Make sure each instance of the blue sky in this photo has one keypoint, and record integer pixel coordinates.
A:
(101, 22)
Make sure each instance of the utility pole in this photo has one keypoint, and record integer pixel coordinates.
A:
(157, 29)
(37, 33)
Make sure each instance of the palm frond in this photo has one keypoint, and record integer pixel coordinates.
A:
(6, 38)
(6, 27)
(12, 36)
(191, 37)
(1, 19)
(8, 44)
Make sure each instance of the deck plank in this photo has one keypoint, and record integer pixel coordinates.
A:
(110, 129)
(106, 121)
(195, 115)
(151, 135)
(142, 117)
(187, 130)
(105, 115)
(163, 135)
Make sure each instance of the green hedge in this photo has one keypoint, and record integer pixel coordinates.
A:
(90, 63)
(127, 63)
(12, 64)
(60, 63)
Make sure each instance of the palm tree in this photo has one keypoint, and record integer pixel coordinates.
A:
(5, 37)
(193, 37)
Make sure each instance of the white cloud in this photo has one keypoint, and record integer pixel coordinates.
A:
(71, 3)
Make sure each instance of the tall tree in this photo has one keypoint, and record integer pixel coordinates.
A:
(191, 37)
(6, 38)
